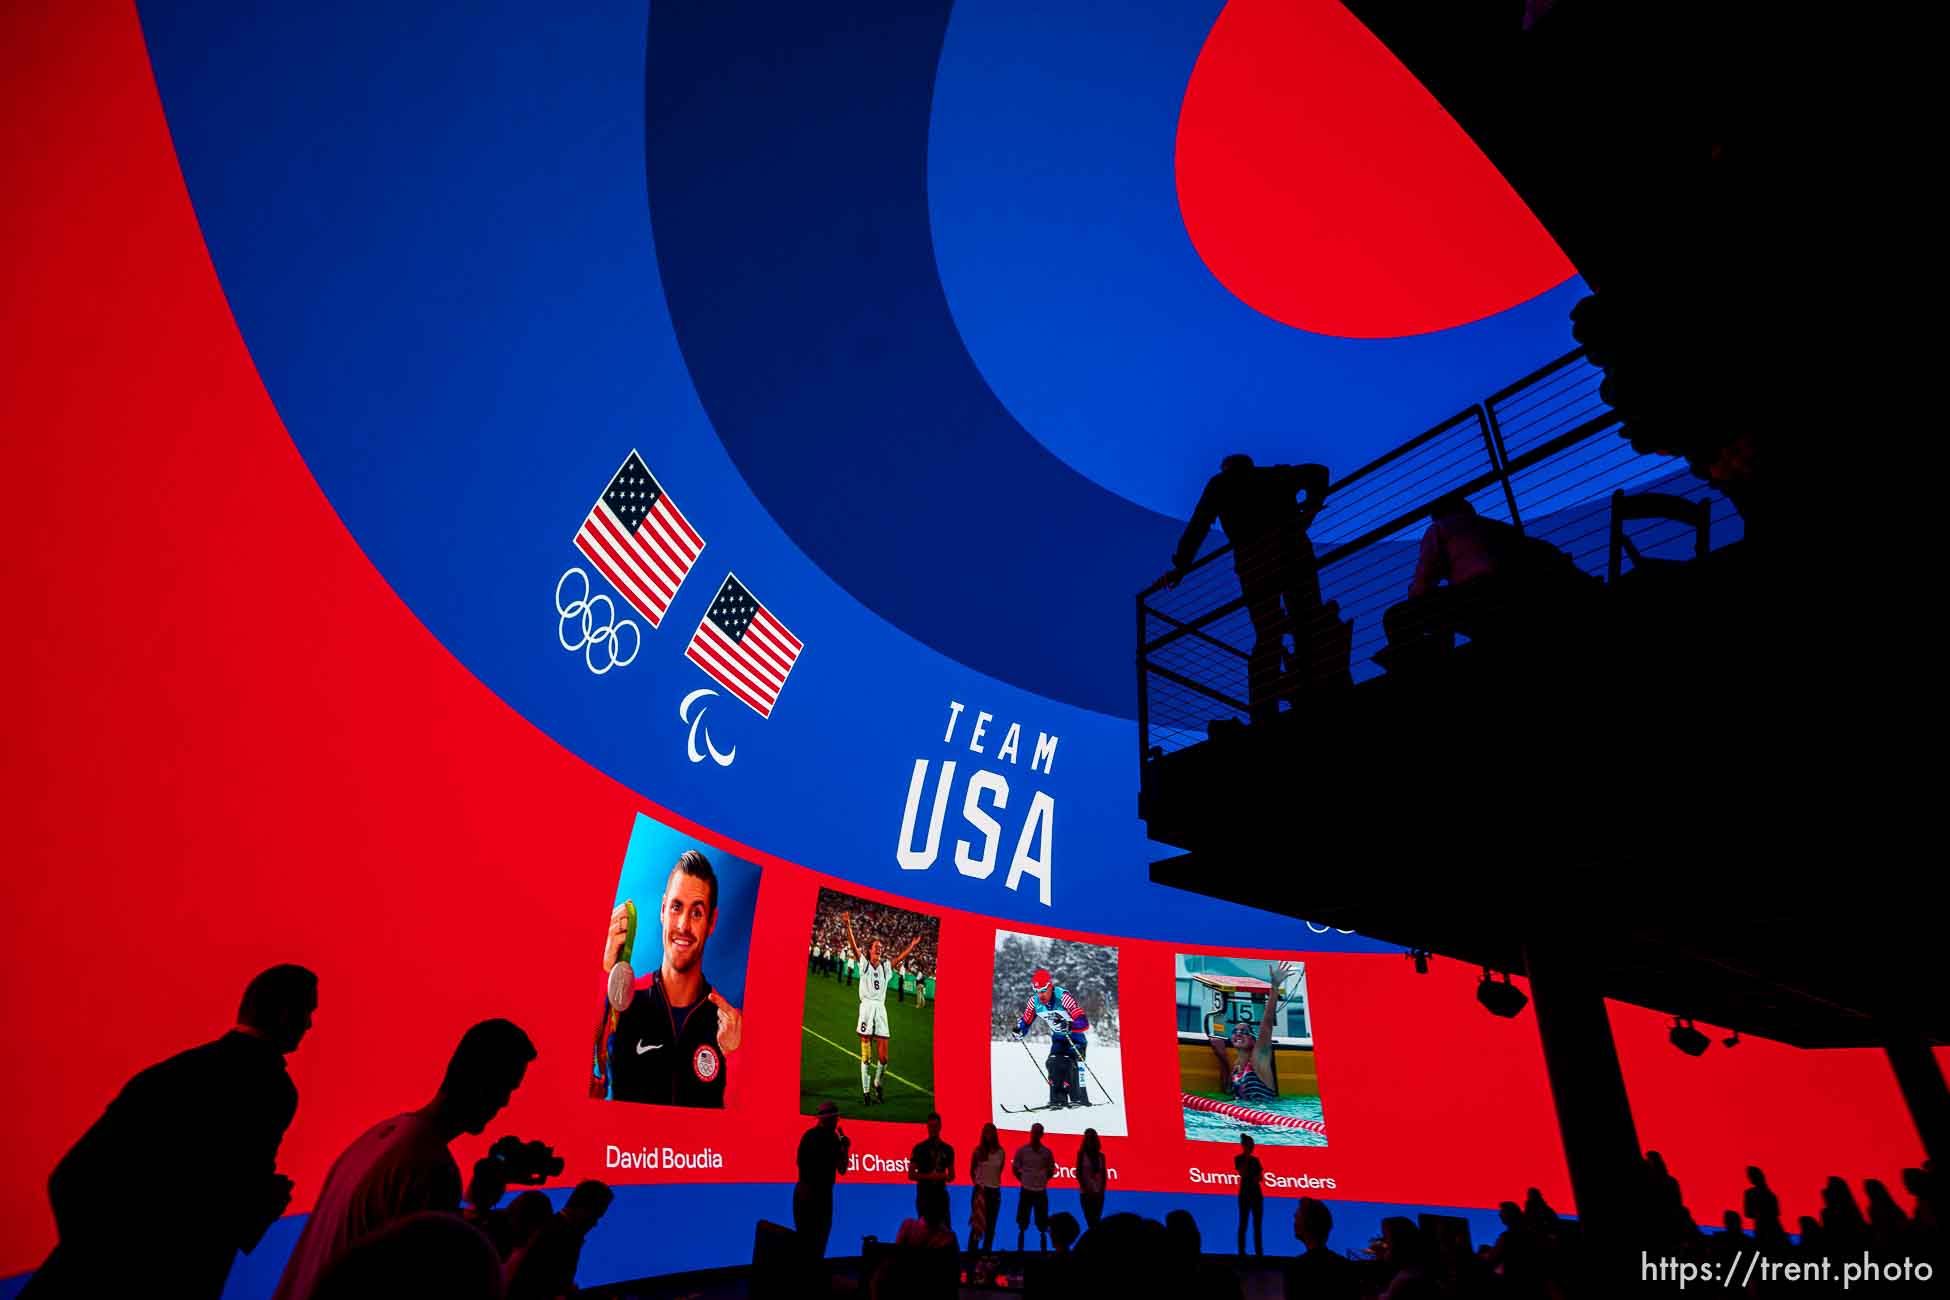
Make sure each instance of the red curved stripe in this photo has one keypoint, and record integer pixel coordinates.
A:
(1325, 187)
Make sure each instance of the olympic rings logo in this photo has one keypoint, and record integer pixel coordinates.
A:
(579, 615)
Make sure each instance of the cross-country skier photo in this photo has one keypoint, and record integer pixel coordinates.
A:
(1054, 1055)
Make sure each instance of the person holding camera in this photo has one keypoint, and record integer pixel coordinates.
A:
(401, 1166)
(509, 1161)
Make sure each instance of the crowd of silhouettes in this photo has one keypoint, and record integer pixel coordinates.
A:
(1540, 1255)
(388, 1220)
(1536, 1254)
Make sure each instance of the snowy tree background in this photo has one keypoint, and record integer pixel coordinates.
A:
(1087, 970)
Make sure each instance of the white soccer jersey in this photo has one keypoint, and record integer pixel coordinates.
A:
(874, 981)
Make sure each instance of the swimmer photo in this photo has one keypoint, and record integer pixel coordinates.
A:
(1246, 1051)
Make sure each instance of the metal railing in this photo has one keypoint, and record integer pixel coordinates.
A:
(1534, 455)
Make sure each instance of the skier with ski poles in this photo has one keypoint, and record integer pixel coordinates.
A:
(1069, 1030)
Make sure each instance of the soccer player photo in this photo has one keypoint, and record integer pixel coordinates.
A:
(868, 1044)
(1246, 1052)
(1054, 1056)
(674, 957)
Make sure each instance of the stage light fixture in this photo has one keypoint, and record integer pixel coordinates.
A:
(1420, 956)
(1501, 999)
(1686, 1038)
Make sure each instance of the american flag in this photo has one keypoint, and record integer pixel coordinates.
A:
(745, 649)
(638, 539)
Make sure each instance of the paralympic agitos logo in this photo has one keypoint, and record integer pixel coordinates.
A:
(984, 788)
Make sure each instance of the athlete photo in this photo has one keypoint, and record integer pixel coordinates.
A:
(1246, 1051)
(1054, 1051)
(668, 1037)
(868, 1041)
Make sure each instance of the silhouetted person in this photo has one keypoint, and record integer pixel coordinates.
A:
(1126, 1256)
(1032, 1164)
(926, 1234)
(421, 1255)
(1320, 1273)
(546, 1266)
(1259, 510)
(1093, 1176)
(485, 1188)
(401, 1166)
(1252, 1193)
(1537, 1212)
(1182, 1237)
(1518, 1254)
(931, 1167)
(822, 1158)
(1729, 1241)
(985, 1197)
(1185, 1257)
(922, 1263)
(209, 1122)
(1457, 1270)
(1058, 1273)
(1665, 1204)
(1414, 1285)
(1763, 1209)
(1887, 1222)
(1921, 1185)
(1477, 576)
(527, 1214)
(1842, 1225)
(1410, 1260)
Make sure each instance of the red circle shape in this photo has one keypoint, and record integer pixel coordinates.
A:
(1327, 189)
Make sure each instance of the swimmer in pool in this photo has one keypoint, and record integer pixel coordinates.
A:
(1249, 1075)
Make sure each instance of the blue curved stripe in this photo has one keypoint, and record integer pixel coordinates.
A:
(431, 229)
(787, 151)
(1075, 287)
